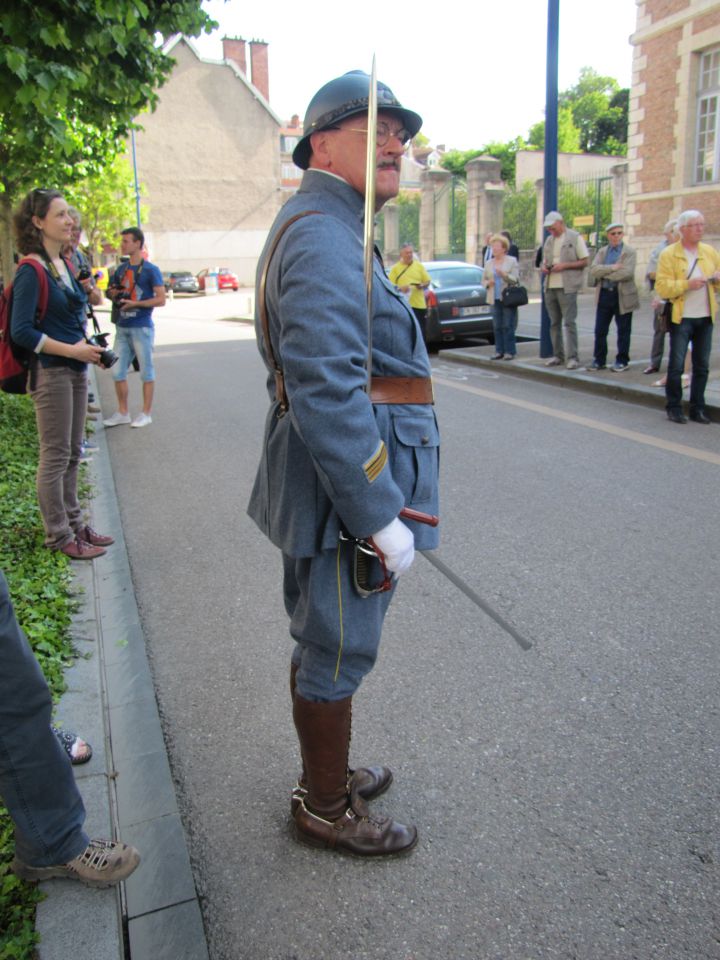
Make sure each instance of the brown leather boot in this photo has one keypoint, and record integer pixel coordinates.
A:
(369, 782)
(333, 814)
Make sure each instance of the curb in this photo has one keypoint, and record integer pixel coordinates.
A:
(127, 786)
(595, 383)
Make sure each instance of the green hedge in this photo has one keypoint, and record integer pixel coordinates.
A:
(41, 588)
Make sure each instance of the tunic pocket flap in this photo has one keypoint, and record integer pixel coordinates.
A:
(416, 431)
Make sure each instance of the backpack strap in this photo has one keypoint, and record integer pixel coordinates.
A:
(44, 289)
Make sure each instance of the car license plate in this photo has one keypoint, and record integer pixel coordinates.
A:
(474, 311)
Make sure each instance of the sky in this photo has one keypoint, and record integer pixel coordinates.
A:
(474, 71)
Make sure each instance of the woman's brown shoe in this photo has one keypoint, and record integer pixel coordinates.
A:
(79, 549)
(89, 535)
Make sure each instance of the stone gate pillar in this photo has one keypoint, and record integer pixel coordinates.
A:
(391, 240)
(434, 219)
(619, 193)
(482, 214)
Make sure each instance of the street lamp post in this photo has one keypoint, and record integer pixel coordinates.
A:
(550, 191)
(135, 176)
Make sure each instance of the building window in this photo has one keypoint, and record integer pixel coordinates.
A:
(290, 172)
(288, 144)
(707, 166)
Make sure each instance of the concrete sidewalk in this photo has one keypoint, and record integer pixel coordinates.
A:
(631, 385)
(127, 786)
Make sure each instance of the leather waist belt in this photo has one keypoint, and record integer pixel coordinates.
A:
(401, 390)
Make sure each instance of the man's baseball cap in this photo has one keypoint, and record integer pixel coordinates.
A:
(341, 98)
(614, 226)
(552, 217)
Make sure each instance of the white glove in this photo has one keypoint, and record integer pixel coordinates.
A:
(397, 543)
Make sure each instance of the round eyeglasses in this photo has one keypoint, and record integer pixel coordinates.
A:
(383, 133)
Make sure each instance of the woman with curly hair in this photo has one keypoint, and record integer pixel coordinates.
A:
(58, 377)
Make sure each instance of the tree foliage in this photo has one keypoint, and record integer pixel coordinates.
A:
(600, 112)
(73, 76)
(592, 118)
(106, 202)
(568, 133)
(455, 160)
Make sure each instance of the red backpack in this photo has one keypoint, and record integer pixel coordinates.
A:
(14, 359)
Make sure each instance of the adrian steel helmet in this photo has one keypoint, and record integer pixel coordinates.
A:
(341, 98)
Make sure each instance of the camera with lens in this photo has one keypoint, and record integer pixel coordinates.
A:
(83, 274)
(108, 357)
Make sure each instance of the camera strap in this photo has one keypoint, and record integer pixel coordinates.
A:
(53, 271)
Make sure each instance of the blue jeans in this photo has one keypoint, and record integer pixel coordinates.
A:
(697, 330)
(608, 307)
(504, 326)
(36, 779)
(138, 342)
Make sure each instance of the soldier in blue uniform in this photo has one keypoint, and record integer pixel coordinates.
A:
(340, 460)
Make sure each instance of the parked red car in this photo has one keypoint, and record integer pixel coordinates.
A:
(226, 279)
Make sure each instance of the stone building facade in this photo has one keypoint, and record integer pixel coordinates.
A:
(208, 160)
(674, 129)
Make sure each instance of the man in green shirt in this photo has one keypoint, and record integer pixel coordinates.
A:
(411, 279)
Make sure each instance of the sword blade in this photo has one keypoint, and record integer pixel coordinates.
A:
(470, 593)
(369, 238)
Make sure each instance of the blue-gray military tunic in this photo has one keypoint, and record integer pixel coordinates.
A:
(335, 459)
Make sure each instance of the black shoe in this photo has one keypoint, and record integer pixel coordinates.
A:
(676, 416)
(699, 417)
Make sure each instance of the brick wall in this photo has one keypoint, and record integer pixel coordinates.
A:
(659, 9)
(659, 110)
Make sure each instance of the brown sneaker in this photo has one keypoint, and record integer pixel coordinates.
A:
(103, 863)
(79, 549)
(89, 535)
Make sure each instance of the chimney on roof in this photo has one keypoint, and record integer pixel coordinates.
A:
(234, 49)
(259, 65)
(295, 120)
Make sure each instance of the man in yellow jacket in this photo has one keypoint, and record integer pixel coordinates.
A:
(688, 274)
(411, 278)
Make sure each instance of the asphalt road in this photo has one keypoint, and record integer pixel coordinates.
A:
(566, 796)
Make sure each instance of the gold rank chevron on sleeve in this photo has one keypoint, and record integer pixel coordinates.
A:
(374, 466)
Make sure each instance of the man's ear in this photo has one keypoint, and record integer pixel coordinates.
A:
(320, 144)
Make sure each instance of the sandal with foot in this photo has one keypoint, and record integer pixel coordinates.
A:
(74, 746)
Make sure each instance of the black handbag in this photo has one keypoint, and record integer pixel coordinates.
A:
(665, 324)
(514, 295)
(666, 317)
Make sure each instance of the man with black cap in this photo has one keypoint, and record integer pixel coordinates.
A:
(342, 455)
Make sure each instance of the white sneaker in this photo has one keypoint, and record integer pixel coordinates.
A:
(141, 420)
(116, 419)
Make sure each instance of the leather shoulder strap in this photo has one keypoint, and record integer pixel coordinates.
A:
(280, 393)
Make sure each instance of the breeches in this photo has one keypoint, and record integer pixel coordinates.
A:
(337, 632)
